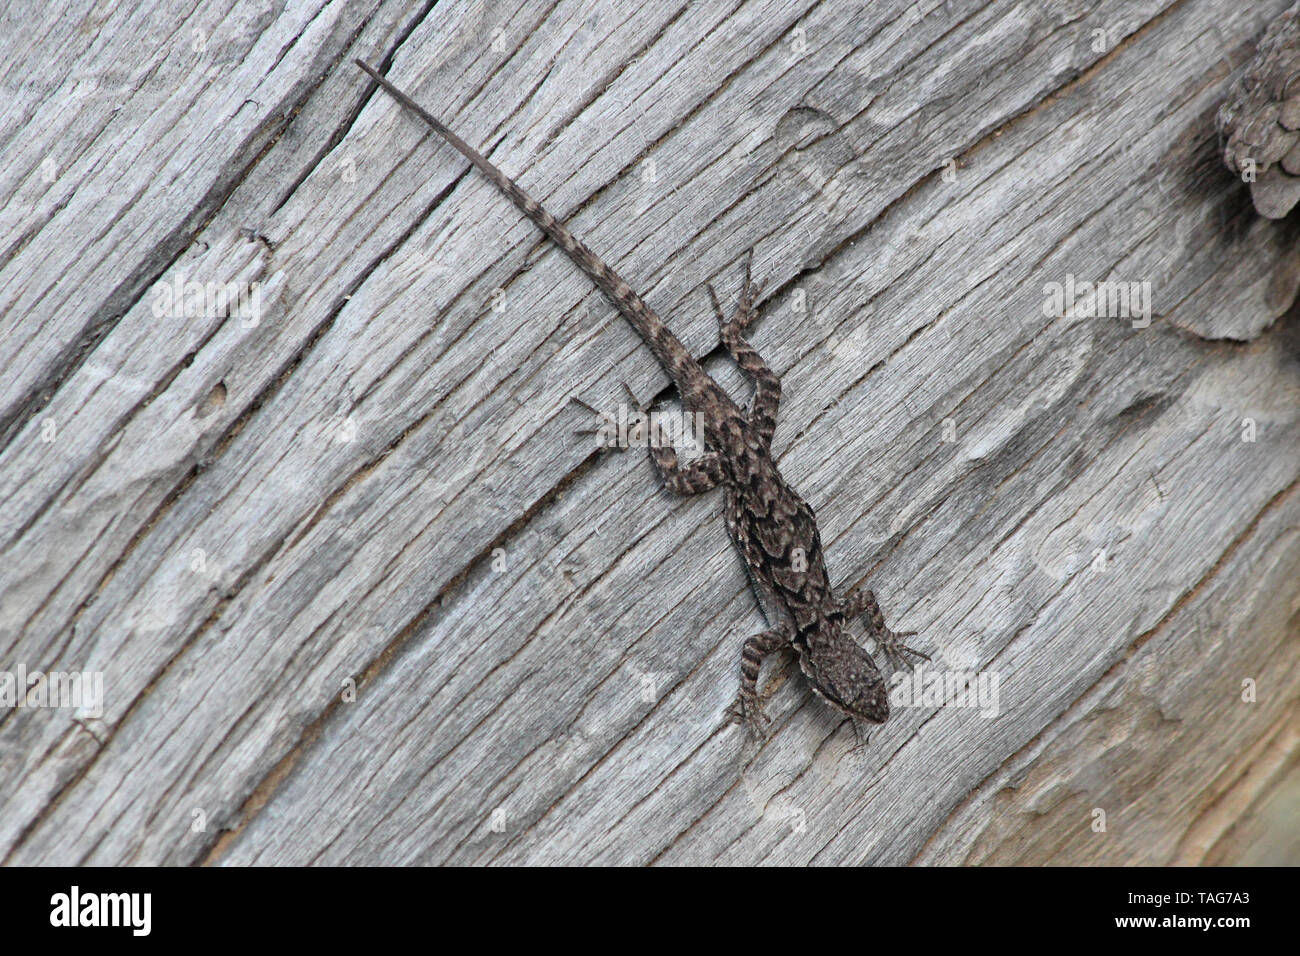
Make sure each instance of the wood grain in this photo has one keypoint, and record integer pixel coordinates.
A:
(358, 593)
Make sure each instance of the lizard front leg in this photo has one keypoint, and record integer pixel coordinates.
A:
(767, 385)
(862, 602)
(748, 709)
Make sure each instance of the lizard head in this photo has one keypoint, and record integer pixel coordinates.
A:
(845, 676)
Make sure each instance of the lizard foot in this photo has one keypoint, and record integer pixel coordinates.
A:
(744, 314)
(749, 293)
(748, 712)
(899, 654)
(641, 432)
(861, 734)
(605, 431)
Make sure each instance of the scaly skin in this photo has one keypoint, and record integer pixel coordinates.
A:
(773, 528)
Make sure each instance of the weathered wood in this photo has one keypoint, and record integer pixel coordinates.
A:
(377, 483)
(1260, 119)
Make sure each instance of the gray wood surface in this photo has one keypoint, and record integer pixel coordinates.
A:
(360, 595)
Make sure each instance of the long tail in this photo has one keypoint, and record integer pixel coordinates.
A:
(687, 374)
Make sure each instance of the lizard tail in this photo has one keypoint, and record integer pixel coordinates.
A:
(687, 374)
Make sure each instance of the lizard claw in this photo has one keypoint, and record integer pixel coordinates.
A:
(748, 712)
(652, 433)
(717, 306)
(574, 399)
(744, 314)
(750, 286)
(899, 654)
(601, 431)
(862, 734)
(749, 292)
(610, 423)
(633, 401)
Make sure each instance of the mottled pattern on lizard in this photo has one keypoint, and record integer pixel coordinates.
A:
(775, 531)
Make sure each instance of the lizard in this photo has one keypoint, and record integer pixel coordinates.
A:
(773, 528)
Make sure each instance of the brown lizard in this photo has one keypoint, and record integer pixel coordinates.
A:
(774, 529)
